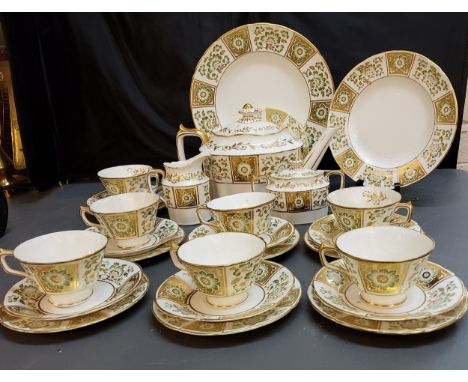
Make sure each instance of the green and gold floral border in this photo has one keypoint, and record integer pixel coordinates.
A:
(263, 37)
(402, 64)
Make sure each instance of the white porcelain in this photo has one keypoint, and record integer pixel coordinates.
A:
(364, 206)
(396, 114)
(64, 264)
(178, 296)
(243, 150)
(384, 261)
(269, 64)
(130, 178)
(129, 218)
(222, 265)
(279, 232)
(301, 193)
(185, 185)
(244, 212)
(116, 280)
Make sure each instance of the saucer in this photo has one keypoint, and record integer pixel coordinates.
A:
(163, 248)
(279, 232)
(282, 248)
(164, 231)
(117, 279)
(34, 325)
(436, 291)
(179, 297)
(324, 230)
(400, 327)
(105, 194)
(204, 328)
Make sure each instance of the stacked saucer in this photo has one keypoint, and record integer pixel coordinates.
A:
(165, 234)
(126, 214)
(68, 284)
(383, 283)
(215, 295)
(326, 229)
(248, 212)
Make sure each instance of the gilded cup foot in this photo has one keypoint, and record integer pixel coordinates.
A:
(226, 302)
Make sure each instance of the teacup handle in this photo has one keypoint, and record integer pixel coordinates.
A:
(158, 174)
(408, 206)
(260, 177)
(175, 256)
(86, 210)
(4, 253)
(326, 248)
(339, 173)
(212, 225)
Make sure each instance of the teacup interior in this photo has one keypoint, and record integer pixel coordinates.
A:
(127, 202)
(385, 243)
(60, 247)
(124, 171)
(364, 197)
(241, 200)
(221, 249)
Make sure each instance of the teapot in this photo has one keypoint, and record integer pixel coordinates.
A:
(248, 149)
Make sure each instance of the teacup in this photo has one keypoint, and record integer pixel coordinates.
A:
(248, 212)
(357, 207)
(130, 178)
(383, 261)
(65, 264)
(128, 218)
(221, 265)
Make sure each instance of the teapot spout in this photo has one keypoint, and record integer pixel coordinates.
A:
(314, 157)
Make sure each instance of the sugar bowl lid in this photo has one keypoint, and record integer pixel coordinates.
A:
(296, 171)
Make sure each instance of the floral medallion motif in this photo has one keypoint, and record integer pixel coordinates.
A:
(446, 109)
(56, 279)
(427, 276)
(298, 201)
(319, 113)
(244, 168)
(114, 186)
(399, 62)
(238, 222)
(348, 220)
(270, 38)
(275, 116)
(213, 64)
(410, 173)
(300, 50)
(186, 197)
(207, 281)
(349, 162)
(238, 41)
(122, 225)
(382, 278)
(202, 94)
(343, 99)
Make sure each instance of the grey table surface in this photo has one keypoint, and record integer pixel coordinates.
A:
(301, 340)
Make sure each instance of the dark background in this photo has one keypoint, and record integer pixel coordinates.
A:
(97, 90)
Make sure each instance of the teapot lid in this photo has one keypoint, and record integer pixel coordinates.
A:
(250, 123)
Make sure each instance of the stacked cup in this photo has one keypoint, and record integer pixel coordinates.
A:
(128, 215)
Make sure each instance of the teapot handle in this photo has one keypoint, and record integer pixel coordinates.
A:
(187, 132)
